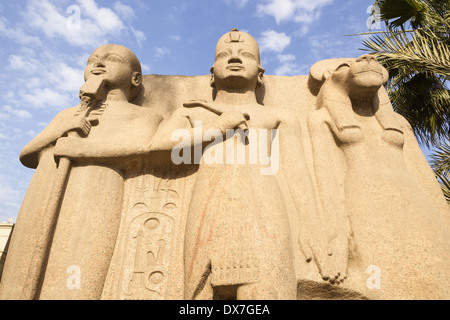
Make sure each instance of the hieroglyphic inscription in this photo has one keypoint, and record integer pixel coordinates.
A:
(151, 223)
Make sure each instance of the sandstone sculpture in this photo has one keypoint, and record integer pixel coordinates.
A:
(237, 242)
(91, 200)
(388, 214)
(234, 185)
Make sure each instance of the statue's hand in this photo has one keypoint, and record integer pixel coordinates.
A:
(233, 119)
(78, 123)
(67, 147)
(342, 248)
(316, 247)
(316, 250)
(229, 117)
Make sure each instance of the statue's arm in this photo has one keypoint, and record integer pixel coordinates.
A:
(129, 140)
(293, 166)
(421, 171)
(164, 137)
(58, 127)
(182, 125)
(329, 171)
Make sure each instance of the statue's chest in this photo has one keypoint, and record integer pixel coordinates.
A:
(261, 118)
(111, 126)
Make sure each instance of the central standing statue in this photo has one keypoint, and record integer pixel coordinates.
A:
(238, 243)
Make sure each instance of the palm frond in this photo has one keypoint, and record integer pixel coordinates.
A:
(440, 160)
(420, 51)
(418, 13)
(445, 186)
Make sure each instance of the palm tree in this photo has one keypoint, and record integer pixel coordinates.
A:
(415, 49)
(440, 162)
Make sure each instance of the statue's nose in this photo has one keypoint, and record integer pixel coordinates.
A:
(366, 57)
(234, 60)
(99, 64)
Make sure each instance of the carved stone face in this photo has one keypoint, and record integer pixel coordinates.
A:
(366, 74)
(114, 63)
(237, 63)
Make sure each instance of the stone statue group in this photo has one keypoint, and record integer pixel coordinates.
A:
(234, 185)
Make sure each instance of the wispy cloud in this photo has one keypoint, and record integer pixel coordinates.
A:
(289, 66)
(161, 51)
(304, 12)
(271, 40)
(20, 113)
(92, 28)
(17, 34)
(139, 35)
(124, 11)
(84, 24)
(10, 198)
(238, 3)
(50, 81)
(327, 46)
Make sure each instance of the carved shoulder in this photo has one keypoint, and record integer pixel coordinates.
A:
(404, 124)
(320, 120)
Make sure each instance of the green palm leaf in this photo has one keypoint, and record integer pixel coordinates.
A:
(415, 49)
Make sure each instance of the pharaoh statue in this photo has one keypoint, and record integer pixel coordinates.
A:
(87, 206)
(387, 212)
(231, 185)
(237, 242)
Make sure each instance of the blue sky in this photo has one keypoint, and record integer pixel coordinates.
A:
(45, 45)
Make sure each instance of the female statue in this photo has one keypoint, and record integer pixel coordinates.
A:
(390, 220)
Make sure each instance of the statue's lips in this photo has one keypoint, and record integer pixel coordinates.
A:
(368, 71)
(235, 67)
(98, 71)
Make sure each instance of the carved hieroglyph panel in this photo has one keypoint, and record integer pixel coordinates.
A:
(146, 259)
(146, 263)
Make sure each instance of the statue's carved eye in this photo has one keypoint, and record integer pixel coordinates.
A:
(91, 60)
(248, 55)
(343, 65)
(222, 54)
(114, 58)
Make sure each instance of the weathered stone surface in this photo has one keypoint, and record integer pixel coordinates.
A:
(330, 197)
(5, 234)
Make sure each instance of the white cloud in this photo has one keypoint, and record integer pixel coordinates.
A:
(18, 35)
(327, 46)
(304, 12)
(18, 63)
(46, 98)
(285, 57)
(126, 12)
(9, 196)
(145, 68)
(288, 66)
(161, 51)
(103, 20)
(48, 79)
(20, 113)
(84, 24)
(139, 35)
(273, 41)
(238, 3)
